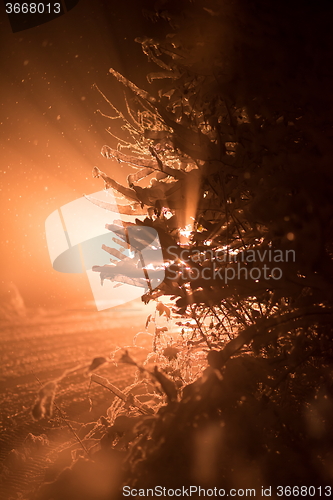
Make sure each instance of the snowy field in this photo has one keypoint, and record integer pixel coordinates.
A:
(40, 347)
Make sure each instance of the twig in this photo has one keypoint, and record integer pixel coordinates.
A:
(203, 335)
(62, 416)
(121, 395)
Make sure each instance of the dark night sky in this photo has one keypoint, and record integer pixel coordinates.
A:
(50, 133)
